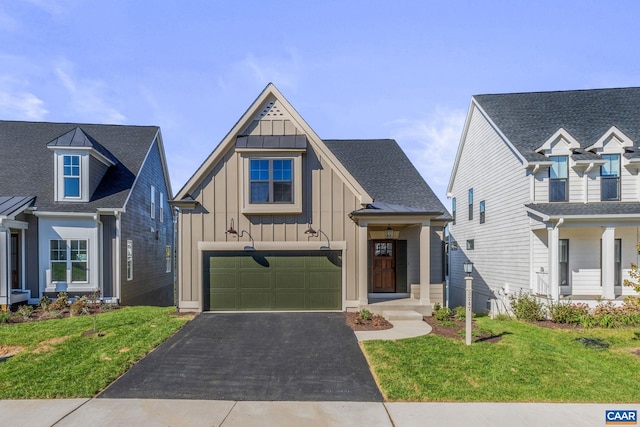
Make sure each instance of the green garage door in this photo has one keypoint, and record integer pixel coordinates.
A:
(273, 280)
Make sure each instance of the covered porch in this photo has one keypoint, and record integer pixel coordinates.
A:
(400, 261)
(584, 259)
(13, 229)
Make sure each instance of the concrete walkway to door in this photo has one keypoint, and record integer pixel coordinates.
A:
(254, 357)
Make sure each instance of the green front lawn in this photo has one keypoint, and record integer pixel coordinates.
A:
(59, 360)
(529, 364)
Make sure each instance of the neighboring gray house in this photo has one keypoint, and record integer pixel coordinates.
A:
(84, 207)
(277, 218)
(546, 196)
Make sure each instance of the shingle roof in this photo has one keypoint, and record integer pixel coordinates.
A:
(26, 162)
(529, 119)
(13, 205)
(592, 209)
(387, 174)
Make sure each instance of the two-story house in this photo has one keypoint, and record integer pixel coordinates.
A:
(277, 218)
(545, 195)
(84, 208)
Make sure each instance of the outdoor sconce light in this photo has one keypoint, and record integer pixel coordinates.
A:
(233, 231)
(468, 267)
(313, 233)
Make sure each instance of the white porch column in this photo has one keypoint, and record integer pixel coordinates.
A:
(553, 234)
(608, 262)
(425, 263)
(5, 252)
(362, 263)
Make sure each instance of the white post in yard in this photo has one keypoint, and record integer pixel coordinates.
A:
(469, 290)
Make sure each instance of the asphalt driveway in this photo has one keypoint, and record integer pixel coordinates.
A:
(257, 357)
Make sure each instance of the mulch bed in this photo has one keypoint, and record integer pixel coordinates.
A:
(39, 314)
(376, 323)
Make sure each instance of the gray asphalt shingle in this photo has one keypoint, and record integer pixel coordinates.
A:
(387, 174)
(577, 209)
(27, 163)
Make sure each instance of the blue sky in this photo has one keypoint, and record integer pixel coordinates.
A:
(352, 69)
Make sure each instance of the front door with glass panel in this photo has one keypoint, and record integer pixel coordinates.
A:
(15, 261)
(383, 266)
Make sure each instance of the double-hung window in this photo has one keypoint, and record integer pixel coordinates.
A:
(271, 180)
(482, 212)
(563, 262)
(69, 260)
(71, 176)
(558, 174)
(610, 177)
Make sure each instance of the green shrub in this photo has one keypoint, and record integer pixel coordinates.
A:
(5, 316)
(460, 313)
(565, 312)
(44, 303)
(25, 311)
(364, 314)
(527, 307)
(108, 306)
(443, 314)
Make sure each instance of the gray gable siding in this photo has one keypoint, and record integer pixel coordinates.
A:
(529, 119)
(386, 173)
(151, 284)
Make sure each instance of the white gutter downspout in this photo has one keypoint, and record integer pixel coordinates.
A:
(118, 275)
(585, 178)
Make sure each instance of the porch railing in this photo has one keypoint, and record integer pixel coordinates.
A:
(542, 284)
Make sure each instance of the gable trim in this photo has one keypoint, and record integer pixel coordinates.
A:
(230, 138)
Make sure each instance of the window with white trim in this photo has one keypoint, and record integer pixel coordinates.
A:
(69, 261)
(470, 204)
(610, 177)
(153, 202)
(167, 257)
(482, 212)
(161, 206)
(129, 259)
(453, 210)
(558, 177)
(71, 176)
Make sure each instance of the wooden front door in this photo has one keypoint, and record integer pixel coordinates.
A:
(15, 261)
(383, 266)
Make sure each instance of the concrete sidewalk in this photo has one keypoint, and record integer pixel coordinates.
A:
(156, 412)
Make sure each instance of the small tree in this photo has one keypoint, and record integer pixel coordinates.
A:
(634, 282)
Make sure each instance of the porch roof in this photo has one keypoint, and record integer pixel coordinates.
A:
(382, 208)
(598, 210)
(10, 206)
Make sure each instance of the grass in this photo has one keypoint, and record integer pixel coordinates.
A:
(529, 364)
(58, 361)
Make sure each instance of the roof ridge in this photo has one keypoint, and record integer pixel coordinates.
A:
(558, 91)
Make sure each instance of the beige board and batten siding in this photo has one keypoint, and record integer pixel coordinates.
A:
(327, 201)
(501, 253)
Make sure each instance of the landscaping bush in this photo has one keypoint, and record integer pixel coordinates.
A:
(5, 316)
(25, 311)
(527, 307)
(79, 307)
(443, 314)
(461, 313)
(565, 312)
(60, 303)
(44, 303)
(364, 314)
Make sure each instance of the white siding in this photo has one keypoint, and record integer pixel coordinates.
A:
(502, 244)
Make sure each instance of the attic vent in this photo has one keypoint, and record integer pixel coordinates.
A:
(271, 110)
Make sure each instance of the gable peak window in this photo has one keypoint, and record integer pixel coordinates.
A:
(271, 180)
(610, 177)
(558, 177)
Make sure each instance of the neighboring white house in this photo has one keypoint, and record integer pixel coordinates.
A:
(545, 196)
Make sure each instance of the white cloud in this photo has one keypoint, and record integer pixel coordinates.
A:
(431, 144)
(22, 106)
(88, 98)
(283, 72)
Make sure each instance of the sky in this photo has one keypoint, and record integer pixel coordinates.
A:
(353, 69)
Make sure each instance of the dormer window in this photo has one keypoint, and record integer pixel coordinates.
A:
(610, 177)
(558, 174)
(71, 176)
